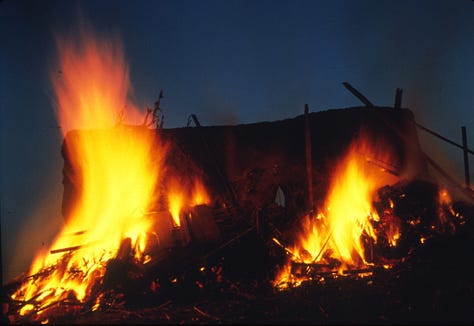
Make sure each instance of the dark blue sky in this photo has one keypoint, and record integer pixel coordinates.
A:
(229, 62)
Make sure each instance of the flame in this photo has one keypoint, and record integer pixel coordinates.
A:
(341, 230)
(200, 196)
(92, 83)
(393, 233)
(118, 167)
(175, 203)
(444, 201)
(447, 217)
(391, 225)
(178, 196)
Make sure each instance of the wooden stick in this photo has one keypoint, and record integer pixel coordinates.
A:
(443, 138)
(386, 167)
(448, 177)
(317, 265)
(205, 314)
(466, 158)
(275, 240)
(57, 251)
(357, 94)
(229, 242)
(357, 271)
(398, 99)
(323, 247)
(1, 249)
(309, 162)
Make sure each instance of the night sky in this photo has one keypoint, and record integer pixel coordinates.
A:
(228, 62)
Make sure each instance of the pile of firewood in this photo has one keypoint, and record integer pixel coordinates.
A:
(230, 281)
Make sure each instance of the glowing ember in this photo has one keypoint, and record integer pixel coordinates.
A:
(118, 168)
(336, 237)
(447, 216)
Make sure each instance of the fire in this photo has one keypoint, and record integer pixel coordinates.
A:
(118, 166)
(337, 237)
(448, 217)
(444, 201)
(200, 196)
(92, 83)
(175, 200)
(178, 196)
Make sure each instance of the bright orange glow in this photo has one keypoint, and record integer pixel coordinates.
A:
(393, 234)
(175, 204)
(336, 233)
(118, 169)
(391, 225)
(444, 200)
(181, 193)
(200, 196)
(285, 277)
(92, 83)
(447, 216)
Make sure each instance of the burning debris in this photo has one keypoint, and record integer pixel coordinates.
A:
(210, 224)
(127, 208)
(197, 281)
(404, 217)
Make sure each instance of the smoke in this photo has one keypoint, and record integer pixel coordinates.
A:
(427, 60)
(36, 233)
(226, 116)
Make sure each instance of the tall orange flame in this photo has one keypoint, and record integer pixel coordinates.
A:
(92, 82)
(337, 231)
(117, 166)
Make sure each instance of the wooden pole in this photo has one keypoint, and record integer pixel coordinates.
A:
(398, 99)
(444, 138)
(466, 158)
(448, 177)
(358, 94)
(1, 250)
(217, 167)
(309, 161)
